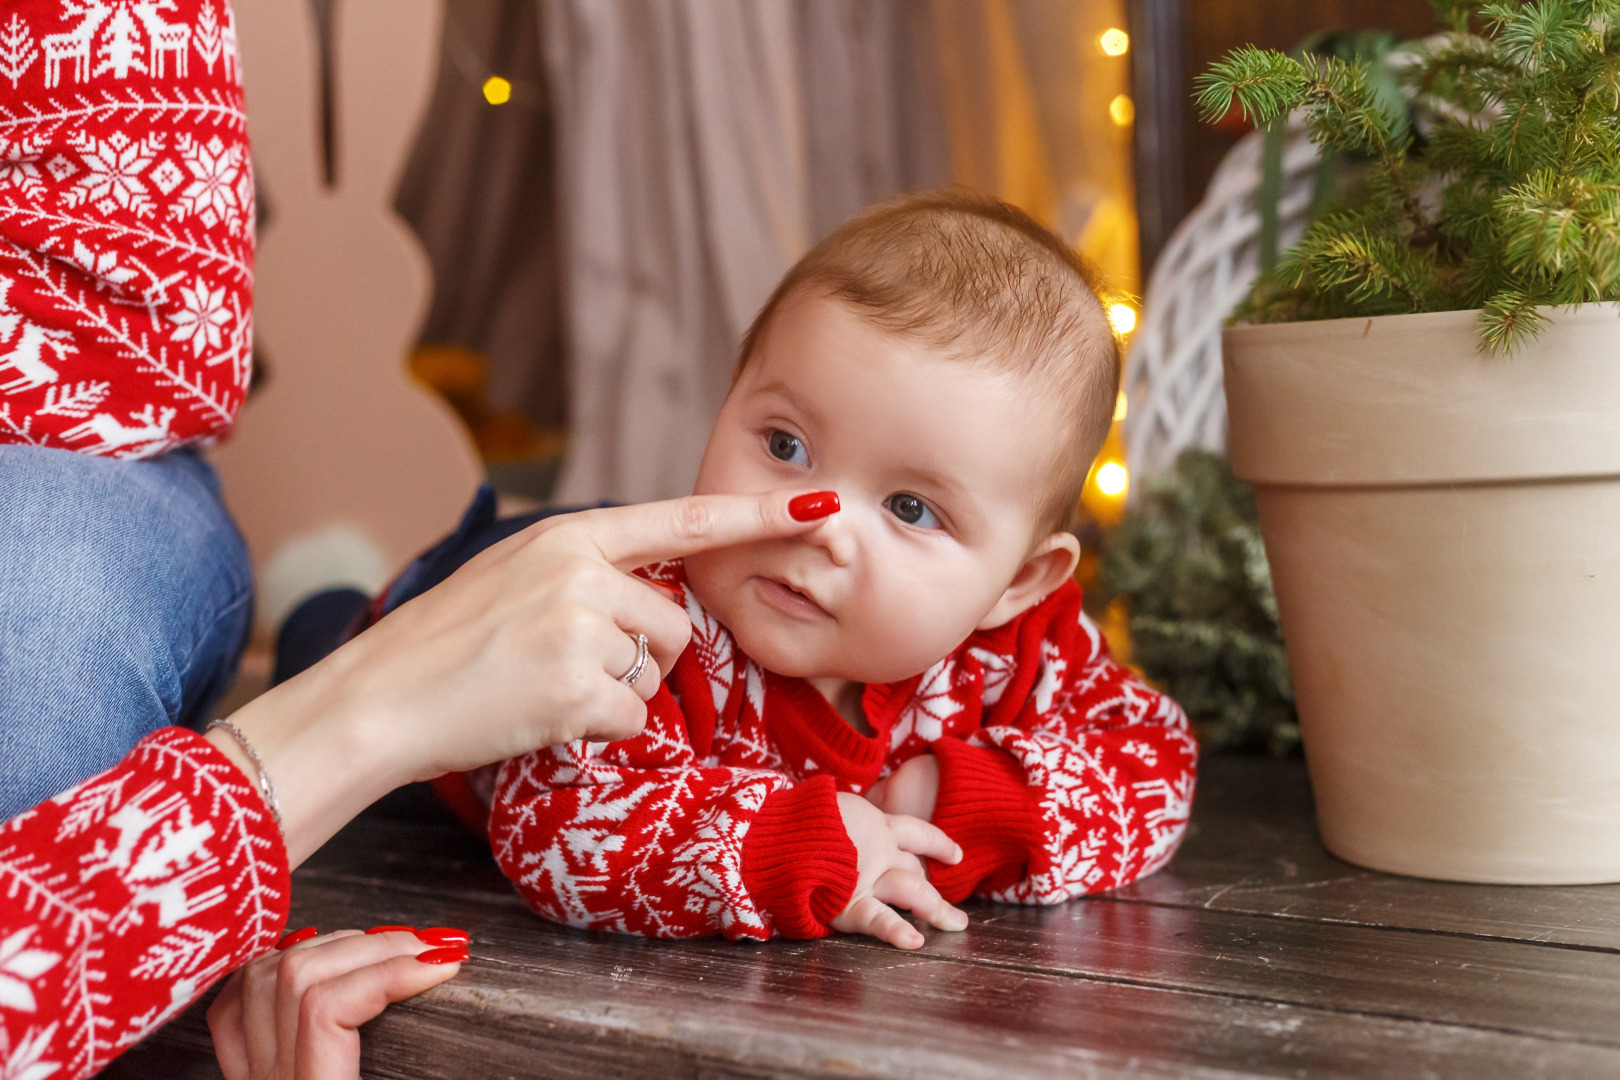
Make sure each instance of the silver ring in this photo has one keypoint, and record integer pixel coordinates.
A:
(629, 678)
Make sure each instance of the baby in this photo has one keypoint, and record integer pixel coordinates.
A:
(943, 365)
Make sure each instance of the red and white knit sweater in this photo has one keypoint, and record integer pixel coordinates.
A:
(126, 224)
(1061, 773)
(122, 899)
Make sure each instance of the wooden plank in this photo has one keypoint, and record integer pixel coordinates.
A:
(544, 1000)
(1503, 984)
(1253, 848)
(1255, 954)
(442, 859)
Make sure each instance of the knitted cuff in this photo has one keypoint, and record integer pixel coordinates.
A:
(983, 805)
(797, 861)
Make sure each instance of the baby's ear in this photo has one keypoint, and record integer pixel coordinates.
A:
(1048, 566)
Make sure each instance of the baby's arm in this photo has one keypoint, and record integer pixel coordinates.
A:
(636, 837)
(1081, 779)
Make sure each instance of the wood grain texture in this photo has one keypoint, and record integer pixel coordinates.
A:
(1164, 980)
(1253, 848)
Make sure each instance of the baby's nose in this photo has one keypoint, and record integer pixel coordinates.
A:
(836, 536)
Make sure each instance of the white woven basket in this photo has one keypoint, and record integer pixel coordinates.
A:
(1173, 369)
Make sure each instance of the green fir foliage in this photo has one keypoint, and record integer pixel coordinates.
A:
(1190, 565)
(1503, 196)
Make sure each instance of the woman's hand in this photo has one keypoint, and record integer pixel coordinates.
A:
(293, 1014)
(522, 647)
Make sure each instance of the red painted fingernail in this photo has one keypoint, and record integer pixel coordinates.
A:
(444, 956)
(391, 929)
(675, 594)
(817, 504)
(296, 936)
(443, 935)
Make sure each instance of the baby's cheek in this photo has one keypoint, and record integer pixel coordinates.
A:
(914, 624)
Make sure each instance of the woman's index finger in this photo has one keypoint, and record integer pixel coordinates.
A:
(632, 536)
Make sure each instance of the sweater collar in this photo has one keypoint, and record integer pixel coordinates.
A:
(809, 731)
(815, 738)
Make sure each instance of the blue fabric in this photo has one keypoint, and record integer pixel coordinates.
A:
(126, 599)
(326, 620)
(480, 528)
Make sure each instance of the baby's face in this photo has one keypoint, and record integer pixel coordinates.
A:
(936, 463)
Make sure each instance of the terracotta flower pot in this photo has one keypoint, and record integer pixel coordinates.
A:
(1444, 533)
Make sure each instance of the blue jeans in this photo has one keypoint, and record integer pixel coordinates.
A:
(126, 598)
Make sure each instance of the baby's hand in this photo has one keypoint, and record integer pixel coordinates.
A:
(911, 789)
(890, 871)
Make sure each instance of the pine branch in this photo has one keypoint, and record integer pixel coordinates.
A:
(1265, 84)
(1535, 36)
(1189, 567)
(1541, 225)
(1509, 319)
(1452, 14)
(1509, 199)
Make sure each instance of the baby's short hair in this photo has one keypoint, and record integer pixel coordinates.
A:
(983, 281)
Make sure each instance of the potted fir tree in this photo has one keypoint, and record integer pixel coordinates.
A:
(1425, 393)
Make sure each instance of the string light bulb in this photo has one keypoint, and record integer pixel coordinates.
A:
(1123, 318)
(1112, 479)
(1121, 407)
(1114, 41)
(497, 91)
(1122, 109)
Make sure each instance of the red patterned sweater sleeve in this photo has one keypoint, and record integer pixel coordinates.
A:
(124, 898)
(1081, 776)
(126, 225)
(639, 837)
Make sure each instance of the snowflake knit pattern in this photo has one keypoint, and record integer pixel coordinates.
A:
(1061, 773)
(126, 224)
(122, 899)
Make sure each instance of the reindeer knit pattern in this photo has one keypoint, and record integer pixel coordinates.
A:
(122, 899)
(1061, 773)
(126, 224)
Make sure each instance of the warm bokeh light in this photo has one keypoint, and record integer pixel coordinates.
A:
(1123, 316)
(1122, 109)
(497, 91)
(1112, 479)
(1114, 41)
(1121, 407)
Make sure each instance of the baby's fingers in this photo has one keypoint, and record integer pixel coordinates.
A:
(911, 890)
(922, 838)
(873, 917)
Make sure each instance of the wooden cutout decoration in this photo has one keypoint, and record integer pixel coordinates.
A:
(342, 468)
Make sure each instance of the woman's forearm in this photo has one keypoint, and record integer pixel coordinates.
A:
(328, 757)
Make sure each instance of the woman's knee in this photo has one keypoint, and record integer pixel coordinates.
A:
(127, 595)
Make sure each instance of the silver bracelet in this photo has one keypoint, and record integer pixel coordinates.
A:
(266, 789)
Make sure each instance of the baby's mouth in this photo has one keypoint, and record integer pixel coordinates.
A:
(790, 601)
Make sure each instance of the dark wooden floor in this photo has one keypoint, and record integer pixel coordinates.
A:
(1254, 954)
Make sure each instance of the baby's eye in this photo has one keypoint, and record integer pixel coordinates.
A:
(788, 448)
(912, 511)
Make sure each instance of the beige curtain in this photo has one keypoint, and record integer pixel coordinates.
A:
(681, 157)
(607, 236)
(480, 191)
(703, 146)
